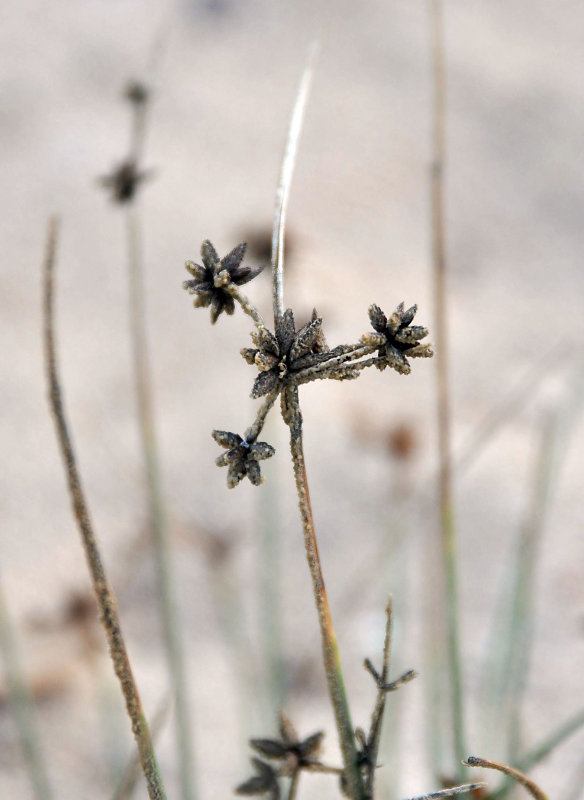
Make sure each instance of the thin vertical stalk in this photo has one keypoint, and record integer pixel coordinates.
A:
(22, 706)
(104, 593)
(162, 549)
(283, 191)
(269, 581)
(330, 649)
(447, 522)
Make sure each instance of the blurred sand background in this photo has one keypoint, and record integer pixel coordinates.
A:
(225, 80)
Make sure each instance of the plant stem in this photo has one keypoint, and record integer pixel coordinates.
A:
(467, 787)
(103, 592)
(158, 521)
(22, 706)
(294, 781)
(447, 523)
(331, 657)
(245, 303)
(532, 788)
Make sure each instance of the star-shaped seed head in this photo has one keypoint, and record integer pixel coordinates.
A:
(242, 457)
(285, 353)
(123, 182)
(211, 279)
(299, 753)
(397, 338)
(265, 781)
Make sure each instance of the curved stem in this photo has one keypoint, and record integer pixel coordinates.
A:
(532, 788)
(331, 657)
(245, 304)
(104, 593)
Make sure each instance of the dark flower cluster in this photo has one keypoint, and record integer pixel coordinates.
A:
(397, 338)
(288, 358)
(212, 280)
(292, 754)
(242, 457)
(289, 351)
(123, 182)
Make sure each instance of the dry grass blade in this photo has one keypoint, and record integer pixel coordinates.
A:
(103, 592)
(283, 191)
(532, 788)
(22, 706)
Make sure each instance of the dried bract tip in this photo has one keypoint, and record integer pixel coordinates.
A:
(264, 782)
(211, 279)
(124, 181)
(242, 457)
(397, 338)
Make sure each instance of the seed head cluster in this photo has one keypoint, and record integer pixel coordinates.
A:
(288, 358)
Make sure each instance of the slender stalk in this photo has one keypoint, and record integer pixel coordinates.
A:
(378, 712)
(532, 788)
(283, 191)
(466, 787)
(269, 583)
(331, 657)
(447, 522)
(23, 708)
(245, 303)
(131, 770)
(293, 790)
(103, 591)
(158, 520)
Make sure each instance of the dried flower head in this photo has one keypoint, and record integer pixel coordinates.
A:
(287, 352)
(137, 93)
(242, 457)
(265, 781)
(123, 182)
(396, 338)
(211, 280)
(298, 752)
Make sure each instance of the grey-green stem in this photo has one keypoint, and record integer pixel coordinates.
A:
(158, 520)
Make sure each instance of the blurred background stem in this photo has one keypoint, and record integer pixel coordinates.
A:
(158, 521)
(23, 707)
(446, 504)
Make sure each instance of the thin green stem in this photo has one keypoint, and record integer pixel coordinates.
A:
(23, 707)
(161, 538)
(103, 591)
(447, 523)
(331, 657)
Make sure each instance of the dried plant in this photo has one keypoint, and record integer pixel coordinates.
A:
(286, 358)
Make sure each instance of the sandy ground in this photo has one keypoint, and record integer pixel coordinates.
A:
(359, 226)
